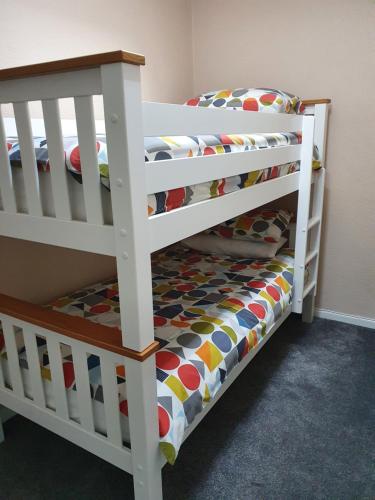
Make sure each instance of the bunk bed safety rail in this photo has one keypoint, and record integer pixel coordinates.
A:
(67, 367)
(160, 119)
(49, 90)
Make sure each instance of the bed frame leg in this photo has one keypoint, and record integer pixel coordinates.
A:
(144, 428)
(308, 307)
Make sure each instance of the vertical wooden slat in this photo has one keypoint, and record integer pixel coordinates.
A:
(89, 159)
(111, 401)
(83, 388)
(34, 367)
(13, 358)
(6, 184)
(55, 362)
(59, 173)
(29, 168)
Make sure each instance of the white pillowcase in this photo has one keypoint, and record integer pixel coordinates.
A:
(209, 243)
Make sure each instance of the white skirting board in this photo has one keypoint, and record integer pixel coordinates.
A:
(345, 318)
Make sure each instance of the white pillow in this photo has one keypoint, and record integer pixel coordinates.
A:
(209, 243)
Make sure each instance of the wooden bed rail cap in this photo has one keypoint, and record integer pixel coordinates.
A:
(311, 102)
(104, 337)
(73, 64)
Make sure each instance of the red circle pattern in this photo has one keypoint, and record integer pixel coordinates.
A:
(159, 321)
(271, 290)
(167, 360)
(189, 376)
(164, 421)
(100, 309)
(256, 284)
(258, 310)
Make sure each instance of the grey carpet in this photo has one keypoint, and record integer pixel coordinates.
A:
(297, 424)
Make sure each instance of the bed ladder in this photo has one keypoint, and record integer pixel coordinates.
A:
(309, 222)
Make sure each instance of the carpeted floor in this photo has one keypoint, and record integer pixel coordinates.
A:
(299, 423)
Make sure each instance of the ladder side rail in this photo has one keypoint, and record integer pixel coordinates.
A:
(303, 211)
(320, 137)
(315, 223)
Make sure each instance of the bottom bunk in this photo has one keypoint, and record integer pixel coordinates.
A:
(209, 312)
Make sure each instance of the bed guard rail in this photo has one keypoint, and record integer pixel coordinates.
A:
(61, 350)
(101, 336)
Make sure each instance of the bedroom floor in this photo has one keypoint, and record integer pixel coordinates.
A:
(297, 424)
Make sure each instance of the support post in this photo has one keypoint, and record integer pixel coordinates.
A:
(144, 428)
(121, 89)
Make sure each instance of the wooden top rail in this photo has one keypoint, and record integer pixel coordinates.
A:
(73, 64)
(104, 337)
(311, 102)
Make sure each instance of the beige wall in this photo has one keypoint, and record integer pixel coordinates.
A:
(316, 49)
(50, 29)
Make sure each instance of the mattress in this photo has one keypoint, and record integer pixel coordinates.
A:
(209, 312)
(156, 148)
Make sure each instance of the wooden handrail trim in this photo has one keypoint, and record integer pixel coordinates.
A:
(104, 337)
(73, 64)
(311, 102)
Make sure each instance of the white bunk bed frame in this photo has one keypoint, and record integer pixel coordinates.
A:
(132, 237)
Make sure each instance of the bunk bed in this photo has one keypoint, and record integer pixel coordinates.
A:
(121, 373)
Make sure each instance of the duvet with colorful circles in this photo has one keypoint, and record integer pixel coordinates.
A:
(209, 312)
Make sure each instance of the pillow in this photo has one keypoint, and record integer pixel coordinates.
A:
(258, 225)
(264, 100)
(208, 243)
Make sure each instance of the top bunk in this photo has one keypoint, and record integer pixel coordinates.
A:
(164, 156)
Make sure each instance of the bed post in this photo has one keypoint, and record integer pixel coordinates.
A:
(320, 133)
(121, 89)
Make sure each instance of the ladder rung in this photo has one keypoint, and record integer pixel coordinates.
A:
(308, 289)
(313, 222)
(311, 255)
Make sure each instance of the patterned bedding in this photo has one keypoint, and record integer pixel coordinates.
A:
(163, 148)
(209, 311)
